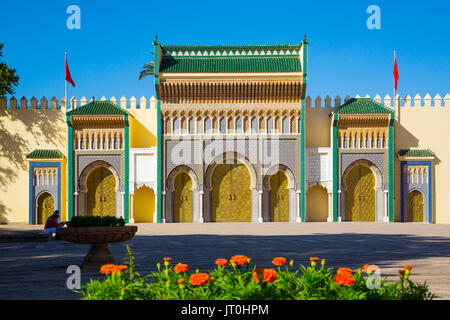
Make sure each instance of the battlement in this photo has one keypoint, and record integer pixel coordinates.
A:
(34, 104)
(144, 103)
(406, 101)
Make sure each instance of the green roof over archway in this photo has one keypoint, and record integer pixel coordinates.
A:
(98, 108)
(363, 106)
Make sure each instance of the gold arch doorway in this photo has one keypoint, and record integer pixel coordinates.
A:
(317, 204)
(415, 206)
(45, 207)
(100, 193)
(360, 194)
(182, 198)
(279, 197)
(231, 195)
(143, 204)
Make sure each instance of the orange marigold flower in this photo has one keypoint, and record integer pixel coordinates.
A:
(269, 275)
(239, 260)
(313, 259)
(221, 262)
(107, 268)
(344, 271)
(279, 261)
(181, 281)
(401, 272)
(112, 268)
(198, 279)
(366, 266)
(408, 268)
(167, 259)
(344, 279)
(179, 268)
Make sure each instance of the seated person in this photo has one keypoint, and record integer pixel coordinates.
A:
(52, 223)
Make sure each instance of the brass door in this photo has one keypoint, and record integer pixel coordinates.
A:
(182, 198)
(45, 207)
(415, 207)
(101, 195)
(279, 197)
(360, 194)
(231, 195)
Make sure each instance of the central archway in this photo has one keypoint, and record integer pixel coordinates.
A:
(100, 193)
(231, 195)
(360, 182)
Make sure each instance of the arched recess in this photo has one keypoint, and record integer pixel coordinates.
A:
(143, 204)
(230, 157)
(100, 163)
(317, 204)
(360, 184)
(45, 207)
(375, 170)
(175, 171)
(273, 170)
(415, 206)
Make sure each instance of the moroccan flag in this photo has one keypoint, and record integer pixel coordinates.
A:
(68, 77)
(395, 72)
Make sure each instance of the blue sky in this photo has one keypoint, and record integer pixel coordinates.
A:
(345, 57)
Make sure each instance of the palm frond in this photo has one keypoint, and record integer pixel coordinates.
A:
(147, 69)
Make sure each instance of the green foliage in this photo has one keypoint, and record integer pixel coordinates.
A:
(147, 70)
(96, 221)
(8, 77)
(236, 283)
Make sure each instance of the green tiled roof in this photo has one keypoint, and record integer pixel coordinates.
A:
(416, 153)
(230, 64)
(230, 58)
(362, 106)
(98, 108)
(45, 154)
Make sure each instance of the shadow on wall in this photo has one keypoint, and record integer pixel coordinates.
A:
(141, 136)
(43, 126)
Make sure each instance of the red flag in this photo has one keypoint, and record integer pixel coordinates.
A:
(68, 77)
(395, 73)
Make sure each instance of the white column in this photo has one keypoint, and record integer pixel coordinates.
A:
(163, 207)
(339, 208)
(122, 214)
(298, 219)
(200, 206)
(131, 209)
(330, 207)
(260, 193)
(76, 204)
(386, 217)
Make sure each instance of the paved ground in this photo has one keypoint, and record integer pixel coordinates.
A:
(37, 270)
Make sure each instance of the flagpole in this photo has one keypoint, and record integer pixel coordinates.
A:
(65, 81)
(395, 92)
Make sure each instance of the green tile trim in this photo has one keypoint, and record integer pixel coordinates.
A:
(69, 169)
(391, 168)
(335, 167)
(45, 154)
(302, 133)
(416, 153)
(98, 108)
(127, 170)
(169, 47)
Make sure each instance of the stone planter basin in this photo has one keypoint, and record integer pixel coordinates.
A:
(98, 238)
